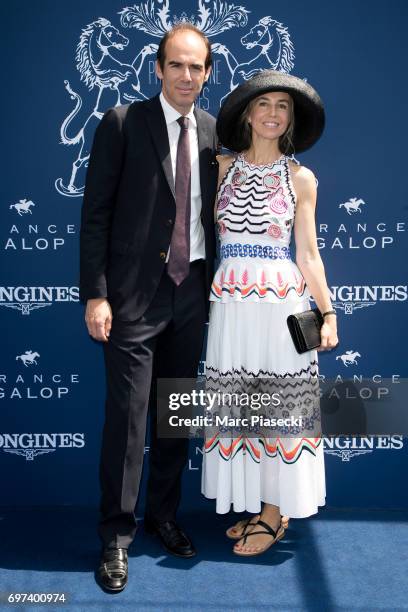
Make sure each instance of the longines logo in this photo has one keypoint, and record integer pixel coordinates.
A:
(34, 384)
(31, 445)
(349, 298)
(360, 235)
(346, 447)
(25, 235)
(119, 69)
(26, 299)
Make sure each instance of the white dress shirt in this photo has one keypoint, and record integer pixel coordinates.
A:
(197, 244)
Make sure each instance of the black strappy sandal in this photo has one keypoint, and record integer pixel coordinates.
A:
(243, 526)
(268, 530)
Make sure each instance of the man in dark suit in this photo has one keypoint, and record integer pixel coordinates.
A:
(147, 253)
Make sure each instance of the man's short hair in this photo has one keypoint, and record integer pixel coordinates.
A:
(182, 27)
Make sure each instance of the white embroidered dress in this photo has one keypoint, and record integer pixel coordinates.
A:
(256, 287)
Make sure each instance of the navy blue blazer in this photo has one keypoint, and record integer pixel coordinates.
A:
(129, 205)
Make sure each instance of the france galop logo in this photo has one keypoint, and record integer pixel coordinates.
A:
(349, 358)
(23, 207)
(352, 206)
(28, 358)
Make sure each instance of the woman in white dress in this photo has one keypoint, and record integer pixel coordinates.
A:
(262, 196)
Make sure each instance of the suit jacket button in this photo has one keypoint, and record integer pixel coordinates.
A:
(169, 222)
(163, 255)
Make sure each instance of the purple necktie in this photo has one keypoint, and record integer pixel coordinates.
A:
(178, 266)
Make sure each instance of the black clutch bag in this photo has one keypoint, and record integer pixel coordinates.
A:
(305, 329)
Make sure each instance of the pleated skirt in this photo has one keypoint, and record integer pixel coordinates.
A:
(250, 339)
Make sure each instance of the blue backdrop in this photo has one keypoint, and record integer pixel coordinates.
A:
(66, 63)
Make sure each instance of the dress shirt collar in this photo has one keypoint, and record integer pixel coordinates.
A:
(171, 114)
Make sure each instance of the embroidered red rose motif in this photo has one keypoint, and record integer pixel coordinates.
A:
(274, 231)
(277, 202)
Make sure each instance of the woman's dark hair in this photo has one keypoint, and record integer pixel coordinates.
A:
(182, 27)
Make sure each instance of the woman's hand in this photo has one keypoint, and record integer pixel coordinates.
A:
(328, 334)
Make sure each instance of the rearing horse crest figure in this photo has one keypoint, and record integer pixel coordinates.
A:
(101, 69)
(274, 50)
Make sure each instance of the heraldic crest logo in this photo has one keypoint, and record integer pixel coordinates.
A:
(102, 47)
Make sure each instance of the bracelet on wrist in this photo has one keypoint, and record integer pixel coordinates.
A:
(329, 312)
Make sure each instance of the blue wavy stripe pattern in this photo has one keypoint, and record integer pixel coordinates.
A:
(254, 250)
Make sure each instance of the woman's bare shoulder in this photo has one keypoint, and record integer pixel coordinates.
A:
(303, 178)
(225, 160)
(224, 163)
(301, 172)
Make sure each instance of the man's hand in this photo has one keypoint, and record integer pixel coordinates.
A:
(98, 318)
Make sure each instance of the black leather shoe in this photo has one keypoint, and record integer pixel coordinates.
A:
(113, 569)
(173, 539)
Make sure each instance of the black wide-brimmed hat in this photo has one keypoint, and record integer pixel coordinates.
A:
(308, 108)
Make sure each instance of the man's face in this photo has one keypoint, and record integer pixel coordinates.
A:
(184, 70)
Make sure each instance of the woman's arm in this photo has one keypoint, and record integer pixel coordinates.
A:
(307, 253)
(224, 162)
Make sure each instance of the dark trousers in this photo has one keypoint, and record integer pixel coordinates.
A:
(166, 342)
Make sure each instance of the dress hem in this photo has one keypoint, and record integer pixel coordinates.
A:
(233, 508)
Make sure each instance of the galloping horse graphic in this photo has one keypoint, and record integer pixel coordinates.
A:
(274, 51)
(99, 69)
(23, 207)
(349, 358)
(353, 205)
(28, 358)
